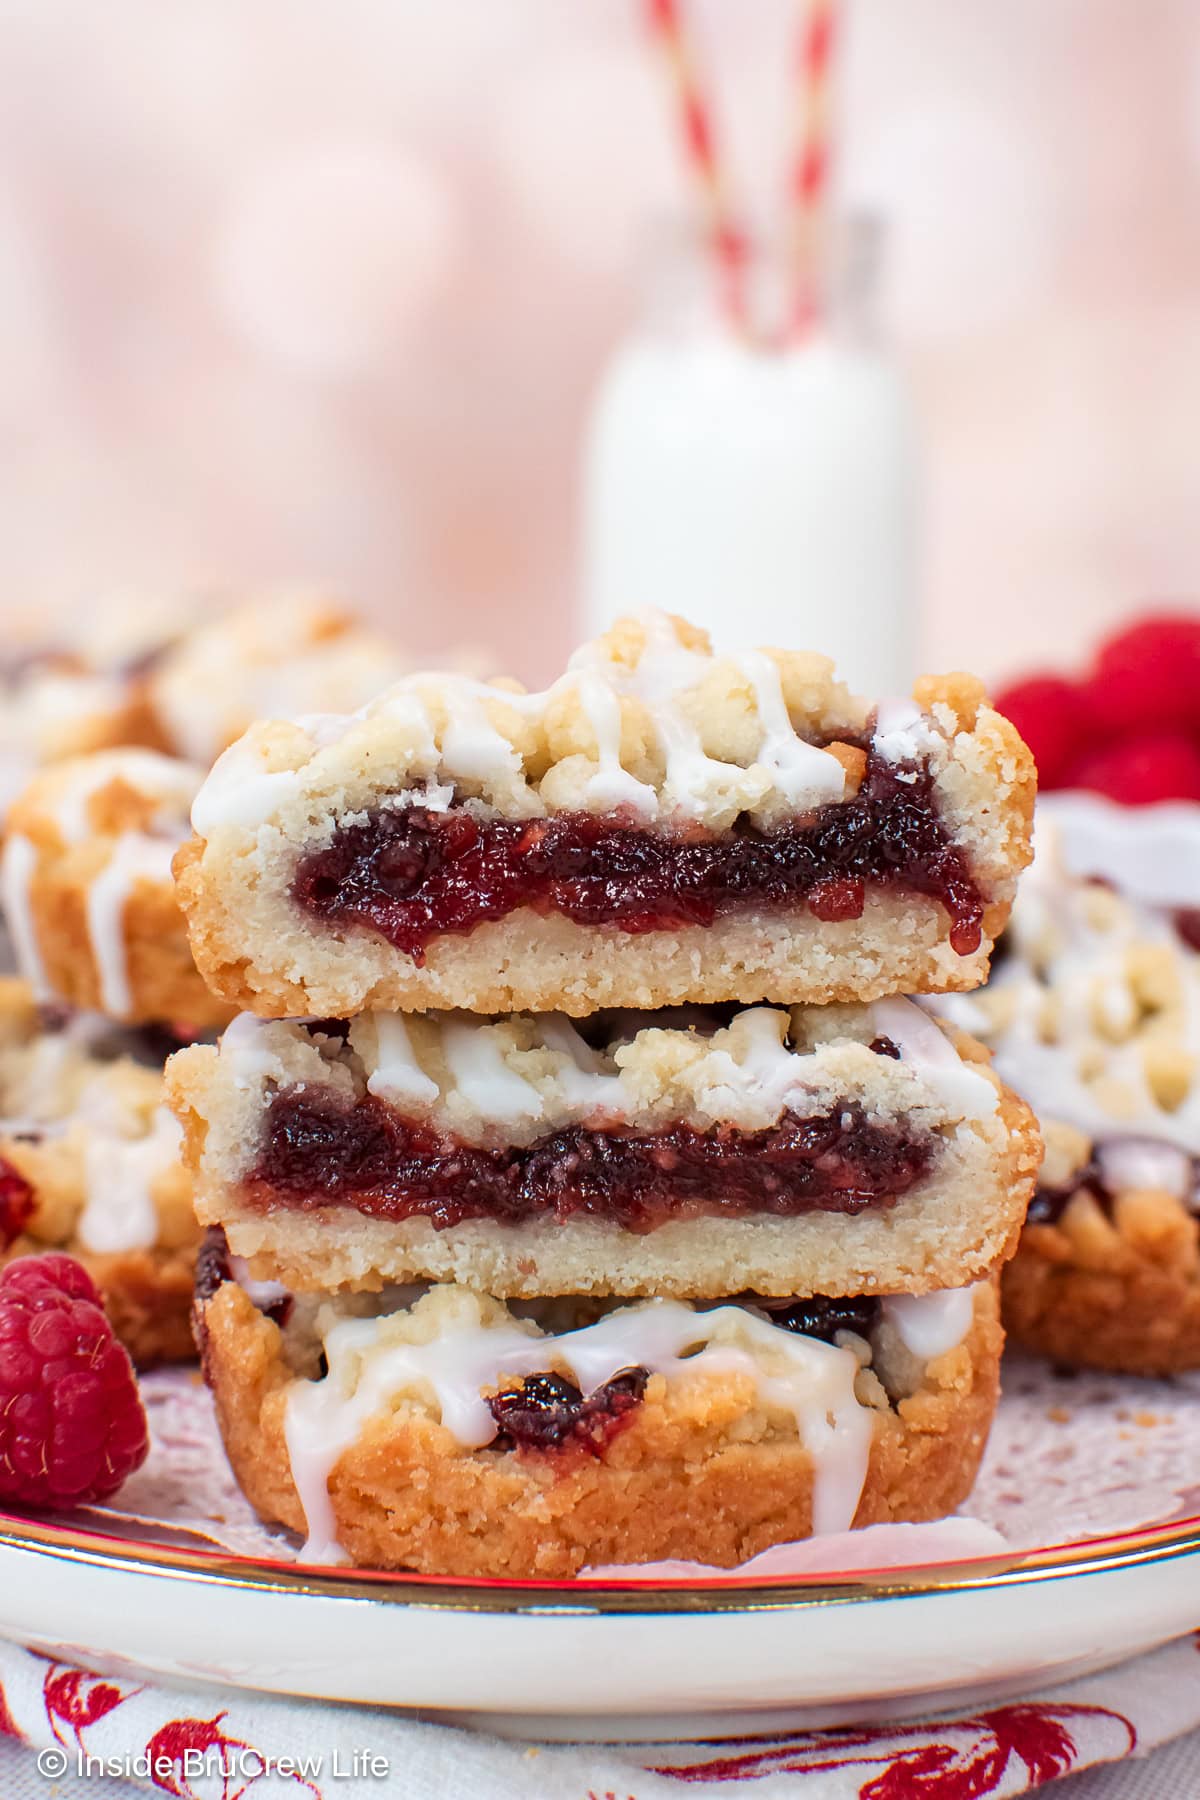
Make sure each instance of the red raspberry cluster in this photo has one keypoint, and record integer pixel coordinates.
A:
(1130, 726)
(72, 1427)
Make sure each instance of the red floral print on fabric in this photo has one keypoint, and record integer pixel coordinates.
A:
(8, 1727)
(76, 1699)
(237, 1764)
(970, 1760)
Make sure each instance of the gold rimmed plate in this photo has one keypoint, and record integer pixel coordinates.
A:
(603, 1658)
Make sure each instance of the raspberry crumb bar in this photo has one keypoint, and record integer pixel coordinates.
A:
(833, 1150)
(661, 825)
(88, 890)
(1094, 1017)
(289, 652)
(89, 1163)
(451, 1434)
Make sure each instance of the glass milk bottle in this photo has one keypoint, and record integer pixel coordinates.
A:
(762, 484)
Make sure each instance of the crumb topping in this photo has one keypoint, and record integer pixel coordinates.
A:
(515, 1079)
(646, 719)
(1093, 1013)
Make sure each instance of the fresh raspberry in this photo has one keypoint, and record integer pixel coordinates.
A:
(1162, 765)
(1148, 676)
(72, 1427)
(1052, 716)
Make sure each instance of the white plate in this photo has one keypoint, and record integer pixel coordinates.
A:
(602, 1659)
(155, 1594)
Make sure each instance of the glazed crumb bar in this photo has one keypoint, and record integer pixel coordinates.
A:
(830, 1150)
(286, 652)
(88, 892)
(89, 1164)
(449, 1433)
(661, 825)
(1094, 1017)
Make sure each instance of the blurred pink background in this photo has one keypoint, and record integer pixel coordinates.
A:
(320, 291)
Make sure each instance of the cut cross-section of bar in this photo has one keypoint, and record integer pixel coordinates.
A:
(662, 824)
(833, 1150)
(450, 1434)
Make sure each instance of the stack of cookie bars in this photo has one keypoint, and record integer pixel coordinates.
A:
(579, 1189)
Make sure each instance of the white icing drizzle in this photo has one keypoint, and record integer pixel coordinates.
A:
(263, 1293)
(472, 747)
(397, 1076)
(1060, 1016)
(903, 733)
(404, 705)
(483, 1077)
(805, 775)
(239, 792)
(611, 785)
(135, 857)
(766, 1067)
(1129, 1163)
(930, 1325)
(163, 779)
(367, 1374)
(922, 1044)
(1152, 853)
(16, 873)
(492, 1075)
(692, 779)
(119, 1212)
(33, 1088)
(249, 1051)
(587, 1083)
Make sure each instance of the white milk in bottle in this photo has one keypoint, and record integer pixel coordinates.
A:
(762, 483)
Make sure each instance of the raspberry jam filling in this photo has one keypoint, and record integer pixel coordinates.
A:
(16, 1204)
(318, 1151)
(413, 874)
(821, 1317)
(548, 1412)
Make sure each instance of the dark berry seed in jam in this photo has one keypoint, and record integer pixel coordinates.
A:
(319, 1152)
(548, 1412)
(884, 1046)
(823, 1318)
(16, 1204)
(413, 875)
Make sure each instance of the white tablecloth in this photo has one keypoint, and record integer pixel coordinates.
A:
(62, 1729)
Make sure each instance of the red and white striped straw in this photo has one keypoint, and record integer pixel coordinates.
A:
(808, 184)
(700, 148)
